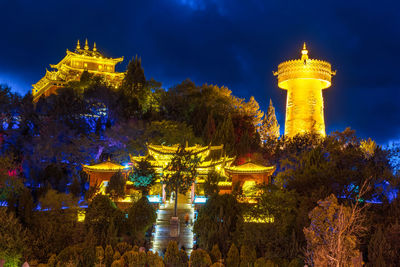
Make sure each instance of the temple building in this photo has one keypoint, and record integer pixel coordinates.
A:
(71, 67)
(101, 173)
(249, 174)
(211, 158)
(304, 79)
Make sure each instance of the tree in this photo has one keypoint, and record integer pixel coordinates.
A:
(172, 257)
(13, 239)
(75, 188)
(69, 256)
(200, 258)
(218, 222)
(116, 186)
(215, 253)
(233, 258)
(170, 132)
(153, 259)
(141, 216)
(270, 127)
(211, 183)
(209, 129)
(252, 109)
(270, 263)
(55, 226)
(143, 176)
(100, 214)
(123, 247)
(225, 135)
(184, 257)
(260, 262)
(180, 173)
(136, 91)
(11, 185)
(332, 234)
(52, 262)
(99, 255)
(108, 255)
(277, 237)
(247, 256)
(377, 248)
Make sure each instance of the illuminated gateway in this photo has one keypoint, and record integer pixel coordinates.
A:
(71, 67)
(304, 79)
(211, 159)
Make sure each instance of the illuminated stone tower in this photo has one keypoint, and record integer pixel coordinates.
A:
(304, 80)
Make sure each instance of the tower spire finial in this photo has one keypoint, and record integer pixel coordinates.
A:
(304, 52)
(78, 45)
(86, 45)
(94, 47)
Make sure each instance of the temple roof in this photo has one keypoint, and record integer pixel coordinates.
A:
(106, 166)
(196, 149)
(250, 167)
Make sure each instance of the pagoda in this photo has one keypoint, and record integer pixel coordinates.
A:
(248, 175)
(71, 67)
(102, 172)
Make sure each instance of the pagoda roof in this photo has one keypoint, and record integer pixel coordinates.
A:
(106, 166)
(196, 149)
(250, 167)
(87, 56)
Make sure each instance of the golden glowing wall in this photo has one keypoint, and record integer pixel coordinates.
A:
(304, 107)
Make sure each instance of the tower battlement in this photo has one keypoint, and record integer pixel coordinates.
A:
(304, 79)
(304, 69)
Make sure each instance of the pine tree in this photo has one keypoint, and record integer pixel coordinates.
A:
(270, 127)
(200, 258)
(108, 255)
(116, 186)
(143, 176)
(247, 256)
(215, 253)
(260, 262)
(135, 89)
(233, 258)
(172, 257)
(99, 255)
(225, 135)
(209, 129)
(377, 248)
(252, 109)
(75, 188)
(134, 79)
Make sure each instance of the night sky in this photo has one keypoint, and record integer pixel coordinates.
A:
(232, 43)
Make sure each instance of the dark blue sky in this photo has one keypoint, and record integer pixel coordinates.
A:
(225, 42)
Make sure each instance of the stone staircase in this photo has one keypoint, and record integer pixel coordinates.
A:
(161, 236)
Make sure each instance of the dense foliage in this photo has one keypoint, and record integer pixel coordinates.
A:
(43, 147)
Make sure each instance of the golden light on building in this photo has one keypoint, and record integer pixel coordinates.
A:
(71, 67)
(304, 79)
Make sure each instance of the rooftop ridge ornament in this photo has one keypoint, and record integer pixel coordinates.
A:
(304, 79)
(86, 45)
(78, 45)
(304, 53)
(94, 47)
